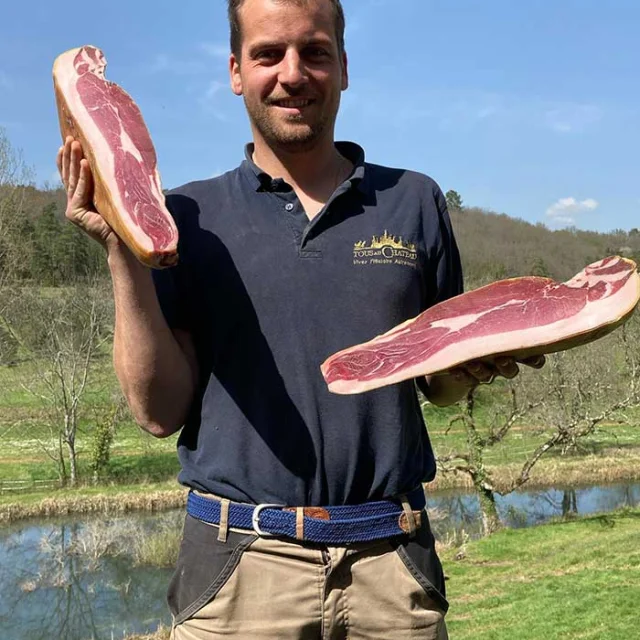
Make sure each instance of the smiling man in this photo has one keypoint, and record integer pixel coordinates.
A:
(306, 516)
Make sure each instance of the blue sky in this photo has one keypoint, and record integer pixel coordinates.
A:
(528, 108)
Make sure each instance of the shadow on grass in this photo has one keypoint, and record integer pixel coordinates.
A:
(159, 466)
(606, 520)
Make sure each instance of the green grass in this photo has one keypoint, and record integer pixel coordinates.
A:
(27, 438)
(621, 432)
(611, 454)
(575, 579)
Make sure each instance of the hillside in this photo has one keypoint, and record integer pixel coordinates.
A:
(495, 246)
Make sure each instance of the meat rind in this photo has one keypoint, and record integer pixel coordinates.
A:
(592, 304)
(73, 122)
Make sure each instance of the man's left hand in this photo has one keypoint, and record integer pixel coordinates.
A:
(448, 388)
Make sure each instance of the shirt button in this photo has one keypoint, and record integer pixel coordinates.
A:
(289, 207)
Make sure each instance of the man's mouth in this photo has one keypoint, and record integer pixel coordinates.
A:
(293, 103)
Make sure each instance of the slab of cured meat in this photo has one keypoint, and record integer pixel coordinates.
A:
(520, 317)
(116, 142)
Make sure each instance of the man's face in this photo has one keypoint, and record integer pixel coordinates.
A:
(290, 71)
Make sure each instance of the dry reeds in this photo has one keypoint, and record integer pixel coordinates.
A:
(615, 467)
(109, 504)
(162, 633)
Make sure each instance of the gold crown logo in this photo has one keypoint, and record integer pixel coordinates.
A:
(385, 240)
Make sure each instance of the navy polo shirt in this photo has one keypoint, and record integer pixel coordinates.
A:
(268, 295)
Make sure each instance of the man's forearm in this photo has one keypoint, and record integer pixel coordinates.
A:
(151, 366)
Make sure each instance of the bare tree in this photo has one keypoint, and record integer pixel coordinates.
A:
(63, 330)
(570, 398)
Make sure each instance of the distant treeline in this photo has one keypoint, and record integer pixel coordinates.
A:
(493, 246)
(46, 248)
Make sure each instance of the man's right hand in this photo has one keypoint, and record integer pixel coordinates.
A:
(78, 183)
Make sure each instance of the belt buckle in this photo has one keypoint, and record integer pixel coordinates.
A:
(255, 518)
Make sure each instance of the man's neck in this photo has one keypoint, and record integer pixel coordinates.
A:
(307, 170)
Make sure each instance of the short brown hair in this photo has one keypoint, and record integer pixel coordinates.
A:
(236, 34)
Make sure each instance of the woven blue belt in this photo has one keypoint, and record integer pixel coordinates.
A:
(334, 525)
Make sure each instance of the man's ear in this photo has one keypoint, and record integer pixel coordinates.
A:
(345, 72)
(234, 75)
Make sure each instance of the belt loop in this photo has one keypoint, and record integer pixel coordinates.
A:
(411, 518)
(224, 520)
(300, 523)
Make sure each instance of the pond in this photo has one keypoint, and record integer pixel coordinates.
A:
(456, 511)
(57, 582)
(80, 579)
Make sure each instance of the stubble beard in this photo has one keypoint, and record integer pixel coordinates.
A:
(291, 134)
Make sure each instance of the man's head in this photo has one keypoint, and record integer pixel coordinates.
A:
(288, 63)
(235, 28)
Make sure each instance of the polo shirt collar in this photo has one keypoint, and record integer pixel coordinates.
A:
(262, 181)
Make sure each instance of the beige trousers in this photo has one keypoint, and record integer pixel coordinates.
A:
(249, 587)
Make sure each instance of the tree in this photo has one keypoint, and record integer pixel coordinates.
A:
(575, 392)
(46, 255)
(63, 332)
(14, 176)
(539, 268)
(454, 200)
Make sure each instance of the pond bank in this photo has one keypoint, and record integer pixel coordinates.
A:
(615, 467)
(80, 502)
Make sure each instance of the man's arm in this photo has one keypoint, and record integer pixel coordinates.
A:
(157, 368)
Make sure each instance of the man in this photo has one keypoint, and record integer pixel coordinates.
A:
(306, 517)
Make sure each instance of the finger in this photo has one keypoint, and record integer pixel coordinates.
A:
(536, 362)
(83, 188)
(74, 169)
(464, 378)
(480, 371)
(507, 367)
(59, 160)
(66, 160)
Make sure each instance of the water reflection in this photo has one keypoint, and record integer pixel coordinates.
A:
(455, 511)
(75, 579)
(55, 582)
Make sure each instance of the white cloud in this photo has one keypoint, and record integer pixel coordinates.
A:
(162, 63)
(211, 103)
(564, 210)
(572, 118)
(5, 81)
(215, 49)
(214, 87)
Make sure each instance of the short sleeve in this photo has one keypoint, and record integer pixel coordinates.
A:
(171, 283)
(446, 264)
(445, 276)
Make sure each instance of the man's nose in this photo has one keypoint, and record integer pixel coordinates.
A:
(292, 69)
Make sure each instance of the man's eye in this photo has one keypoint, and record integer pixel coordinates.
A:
(268, 55)
(317, 52)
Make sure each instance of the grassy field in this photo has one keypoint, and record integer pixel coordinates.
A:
(27, 439)
(575, 579)
(27, 431)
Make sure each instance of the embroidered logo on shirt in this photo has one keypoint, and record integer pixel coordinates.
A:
(385, 250)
